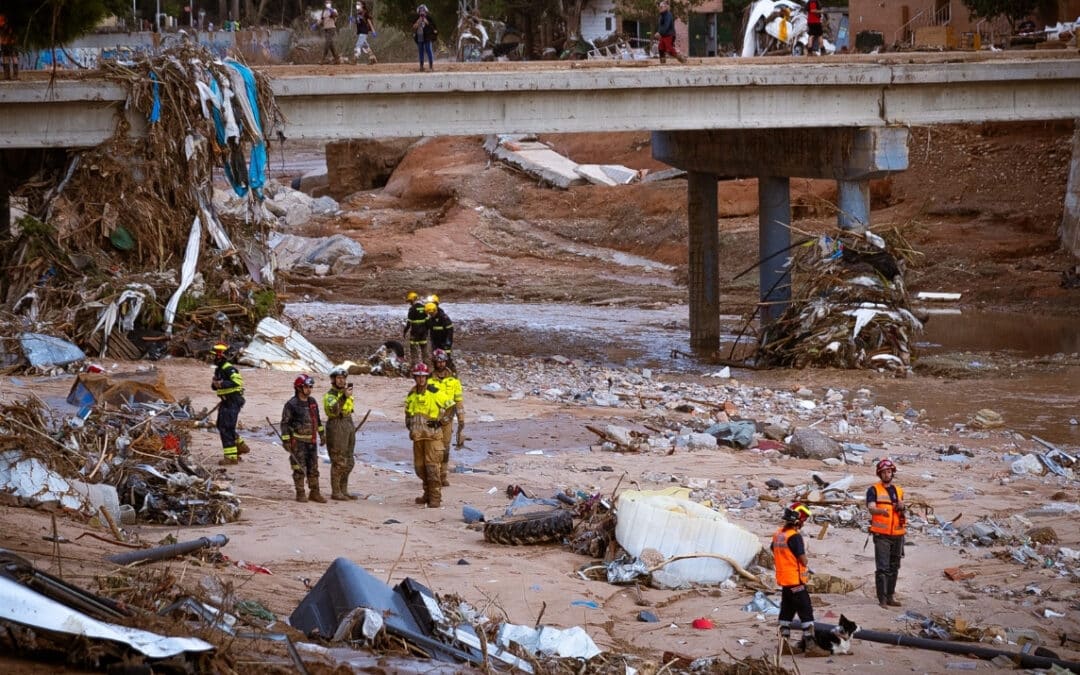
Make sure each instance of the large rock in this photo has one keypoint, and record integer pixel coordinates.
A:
(812, 444)
(362, 164)
(336, 254)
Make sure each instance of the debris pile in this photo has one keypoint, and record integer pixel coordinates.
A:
(112, 239)
(848, 309)
(109, 457)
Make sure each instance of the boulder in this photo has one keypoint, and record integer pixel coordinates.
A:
(809, 443)
(307, 254)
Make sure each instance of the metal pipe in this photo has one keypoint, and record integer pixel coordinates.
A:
(168, 551)
(964, 648)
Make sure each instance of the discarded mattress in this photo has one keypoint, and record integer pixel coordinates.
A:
(46, 351)
(672, 524)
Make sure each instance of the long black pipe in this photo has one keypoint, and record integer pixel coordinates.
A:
(167, 551)
(964, 648)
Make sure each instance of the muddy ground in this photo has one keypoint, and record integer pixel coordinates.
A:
(982, 206)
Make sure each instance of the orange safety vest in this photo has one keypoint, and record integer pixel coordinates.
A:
(890, 524)
(789, 571)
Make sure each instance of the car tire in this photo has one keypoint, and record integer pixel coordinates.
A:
(538, 527)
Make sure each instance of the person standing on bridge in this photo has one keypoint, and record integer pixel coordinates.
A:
(9, 53)
(665, 29)
(365, 26)
(425, 33)
(813, 27)
(328, 26)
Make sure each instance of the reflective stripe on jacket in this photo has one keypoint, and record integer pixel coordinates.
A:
(337, 403)
(232, 381)
(789, 571)
(301, 420)
(888, 524)
(429, 403)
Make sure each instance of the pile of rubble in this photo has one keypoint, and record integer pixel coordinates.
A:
(848, 309)
(122, 251)
(121, 459)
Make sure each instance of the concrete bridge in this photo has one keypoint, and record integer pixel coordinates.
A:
(842, 118)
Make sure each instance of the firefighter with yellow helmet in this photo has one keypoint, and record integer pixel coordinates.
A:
(416, 329)
(228, 384)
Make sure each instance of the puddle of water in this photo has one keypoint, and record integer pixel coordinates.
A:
(1032, 403)
(995, 331)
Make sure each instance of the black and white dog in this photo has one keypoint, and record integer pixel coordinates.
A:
(838, 640)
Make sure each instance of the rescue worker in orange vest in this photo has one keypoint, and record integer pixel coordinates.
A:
(792, 573)
(888, 522)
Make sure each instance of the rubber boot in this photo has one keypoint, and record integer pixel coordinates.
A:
(313, 490)
(242, 447)
(891, 601)
(434, 489)
(335, 484)
(423, 499)
(345, 487)
(444, 481)
(663, 59)
(301, 493)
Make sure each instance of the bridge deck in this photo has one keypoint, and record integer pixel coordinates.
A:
(79, 109)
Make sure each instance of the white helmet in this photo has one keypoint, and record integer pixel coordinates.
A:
(339, 370)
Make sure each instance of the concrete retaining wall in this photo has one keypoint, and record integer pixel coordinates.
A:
(1070, 220)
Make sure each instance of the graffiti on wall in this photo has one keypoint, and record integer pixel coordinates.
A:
(259, 46)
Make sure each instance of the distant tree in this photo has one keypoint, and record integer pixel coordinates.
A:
(46, 23)
(1012, 10)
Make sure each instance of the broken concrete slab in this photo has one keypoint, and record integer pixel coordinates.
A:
(535, 158)
(607, 174)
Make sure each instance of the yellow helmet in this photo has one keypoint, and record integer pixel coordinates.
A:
(412, 296)
(433, 298)
(431, 308)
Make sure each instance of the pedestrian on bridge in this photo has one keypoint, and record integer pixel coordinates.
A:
(425, 34)
(814, 27)
(328, 26)
(665, 28)
(9, 52)
(365, 26)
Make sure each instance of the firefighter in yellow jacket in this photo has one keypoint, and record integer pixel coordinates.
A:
(792, 573)
(888, 524)
(447, 380)
(424, 409)
(340, 432)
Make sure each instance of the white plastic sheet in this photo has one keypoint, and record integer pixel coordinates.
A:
(22, 605)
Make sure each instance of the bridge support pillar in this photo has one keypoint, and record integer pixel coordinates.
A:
(854, 205)
(704, 261)
(850, 156)
(1070, 219)
(774, 241)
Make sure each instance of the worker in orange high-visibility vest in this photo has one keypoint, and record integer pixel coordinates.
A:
(888, 521)
(792, 573)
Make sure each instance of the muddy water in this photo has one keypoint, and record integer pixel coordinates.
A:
(1039, 400)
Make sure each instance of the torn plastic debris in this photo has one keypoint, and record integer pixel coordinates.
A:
(547, 641)
(278, 347)
(738, 434)
(28, 607)
(46, 351)
(761, 603)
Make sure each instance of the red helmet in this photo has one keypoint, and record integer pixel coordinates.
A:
(797, 513)
(439, 355)
(883, 465)
(303, 380)
(420, 369)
